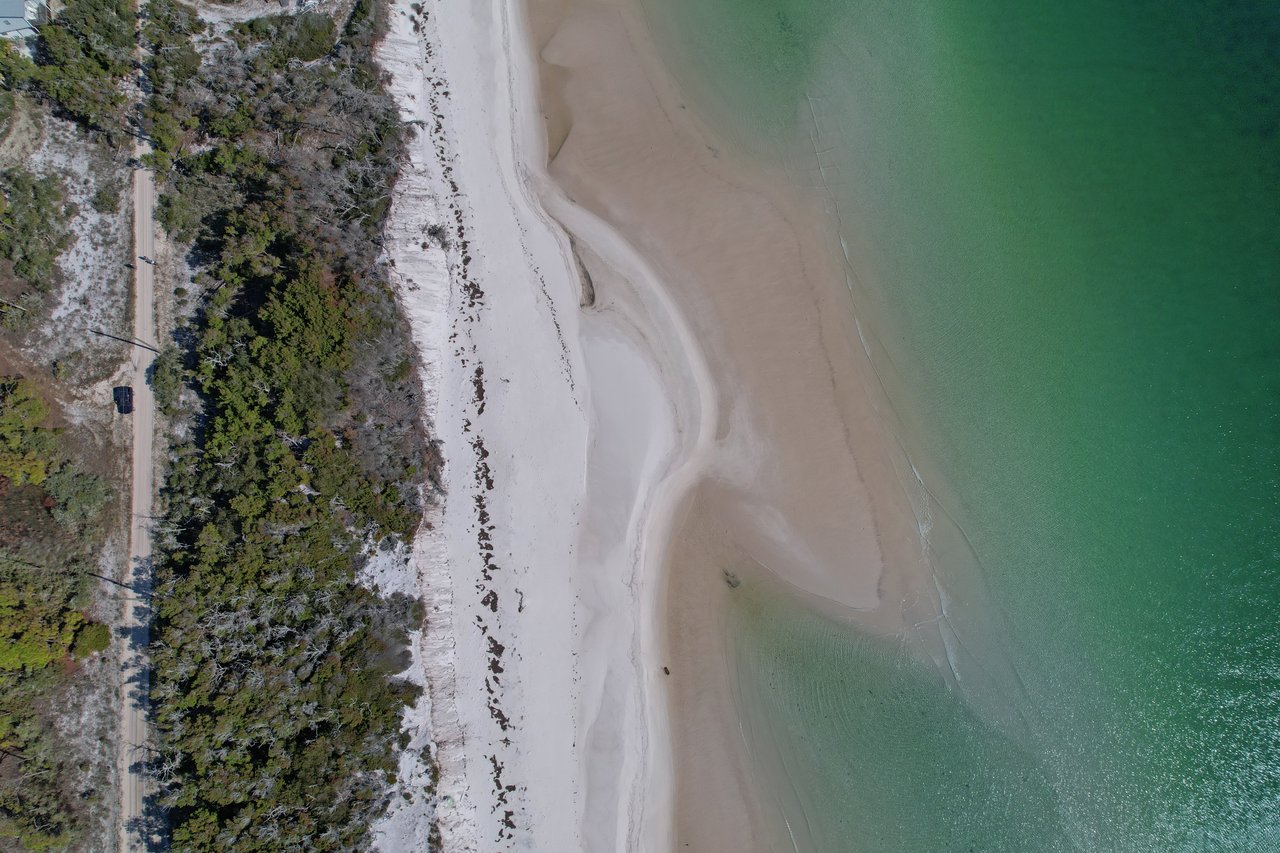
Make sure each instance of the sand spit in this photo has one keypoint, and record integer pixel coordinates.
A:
(569, 437)
(802, 486)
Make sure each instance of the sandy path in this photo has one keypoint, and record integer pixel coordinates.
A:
(136, 620)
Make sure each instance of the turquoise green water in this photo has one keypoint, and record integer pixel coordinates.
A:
(1065, 225)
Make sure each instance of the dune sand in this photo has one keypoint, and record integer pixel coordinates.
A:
(642, 363)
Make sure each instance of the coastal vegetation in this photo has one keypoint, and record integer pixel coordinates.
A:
(57, 510)
(276, 701)
(296, 450)
(77, 71)
(50, 512)
(81, 57)
(32, 225)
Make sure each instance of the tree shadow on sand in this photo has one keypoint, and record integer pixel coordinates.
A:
(148, 830)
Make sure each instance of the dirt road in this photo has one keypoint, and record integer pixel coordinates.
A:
(137, 618)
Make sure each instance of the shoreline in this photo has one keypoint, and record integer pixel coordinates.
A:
(617, 340)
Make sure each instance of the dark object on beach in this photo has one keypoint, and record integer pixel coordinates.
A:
(666, 671)
(123, 395)
(732, 580)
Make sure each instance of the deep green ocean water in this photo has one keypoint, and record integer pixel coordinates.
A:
(1063, 221)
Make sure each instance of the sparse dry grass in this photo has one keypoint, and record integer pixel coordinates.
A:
(93, 291)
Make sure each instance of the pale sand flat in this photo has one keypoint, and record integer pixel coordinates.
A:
(803, 479)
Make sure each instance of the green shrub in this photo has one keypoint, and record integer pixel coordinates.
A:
(306, 37)
(44, 564)
(79, 497)
(82, 56)
(7, 106)
(93, 637)
(15, 68)
(26, 450)
(32, 224)
(167, 378)
(106, 199)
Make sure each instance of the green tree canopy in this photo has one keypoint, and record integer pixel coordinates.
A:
(25, 448)
(33, 230)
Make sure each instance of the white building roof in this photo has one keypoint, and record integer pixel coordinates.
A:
(19, 17)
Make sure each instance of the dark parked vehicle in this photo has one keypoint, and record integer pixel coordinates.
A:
(123, 395)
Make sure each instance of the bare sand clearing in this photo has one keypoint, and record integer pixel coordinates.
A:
(641, 361)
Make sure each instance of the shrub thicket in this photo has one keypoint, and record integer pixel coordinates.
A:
(47, 538)
(33, 229)
(276, 702)
(82, 58)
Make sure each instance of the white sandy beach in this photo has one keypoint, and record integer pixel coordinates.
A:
(567, 438)
(644, 372)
